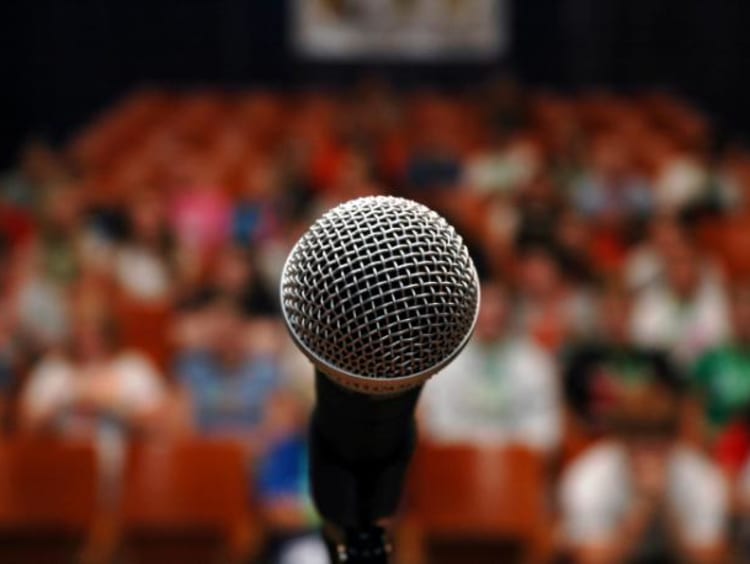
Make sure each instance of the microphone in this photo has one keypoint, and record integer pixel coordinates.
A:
(380, 294)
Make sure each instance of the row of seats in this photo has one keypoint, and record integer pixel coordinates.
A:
(475, 504)
(190, 501)
(186, 502)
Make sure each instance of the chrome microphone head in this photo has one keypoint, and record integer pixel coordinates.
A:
(380, 293)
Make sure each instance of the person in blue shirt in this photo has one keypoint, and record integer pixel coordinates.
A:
(282, 485)
(227, 381)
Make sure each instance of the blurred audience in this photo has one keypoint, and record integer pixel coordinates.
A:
(550, 307)
(92, 384)
(144, 260)
(228, 380)
(502, 389)
(686, 312)
(235, 276)
(642, 495)
(612, 191)
(282, 484)
(602, 370)
(604, 227)
(721, 381)
(645, 265)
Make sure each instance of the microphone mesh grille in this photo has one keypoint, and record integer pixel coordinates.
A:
(380, 288)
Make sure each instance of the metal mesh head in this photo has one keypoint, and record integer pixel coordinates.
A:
(380, 293)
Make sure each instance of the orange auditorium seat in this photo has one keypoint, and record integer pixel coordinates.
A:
(472, 504)
(187, 502)
(48, 500)
(734, 246)
(146, 327)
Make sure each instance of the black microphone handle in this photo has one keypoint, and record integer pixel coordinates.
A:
(360, 450)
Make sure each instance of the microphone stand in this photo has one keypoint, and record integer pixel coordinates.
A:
(359, 545)
(360, 449)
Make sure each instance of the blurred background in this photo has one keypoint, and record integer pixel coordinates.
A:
(159, 160)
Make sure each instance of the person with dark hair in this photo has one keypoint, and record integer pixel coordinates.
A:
(646, 261)
(142, 267)
(255, 215)
(686, 312)
(94, 383)
(642, 495)
(611, 191)
(550, 307)
(501, 389)
(282, 485)
(597, 371)
(226, 374)
(235, 278)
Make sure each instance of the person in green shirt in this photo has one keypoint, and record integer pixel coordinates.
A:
(721, 377)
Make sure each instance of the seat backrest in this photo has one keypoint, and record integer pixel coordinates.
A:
(145, 327)
(196, 483)
(47, 483)
(462, 490)
(735, 246)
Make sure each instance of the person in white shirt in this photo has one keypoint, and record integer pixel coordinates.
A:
(96, 392)
(501, 389)
(94, 385)
(642, 495)
(140, 265)
(645, 262)
(687, 312)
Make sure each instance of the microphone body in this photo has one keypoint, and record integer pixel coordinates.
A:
(361, 446)
(380, 294)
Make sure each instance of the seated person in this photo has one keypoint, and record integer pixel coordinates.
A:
(686, 312)
(610, 191)
(142, 264)
(598, 371)
(235, 275)
(282, 485)
(550, 306)
(502, 388)
(93, 385)
(721, 380)
(642, 495)
(227, 380)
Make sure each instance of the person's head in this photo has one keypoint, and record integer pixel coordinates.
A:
(492, 320)
(147, 218)
(61, 209)
(233, 273)
(261, 180)
(646, 418)
(741, 313)
(539, 271)
(94, 337)
(614, 308)
(665, 233)
(267, 336)
(610, 157)
(573, 232)
(683, 270)
(539, 193)
(286, 414)
(228, 329)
